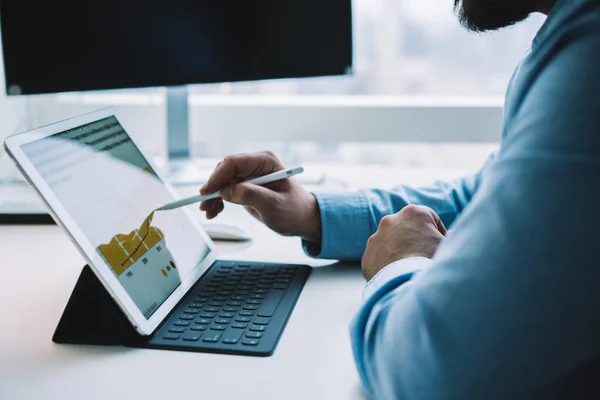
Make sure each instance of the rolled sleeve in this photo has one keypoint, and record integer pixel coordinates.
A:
(346, 221)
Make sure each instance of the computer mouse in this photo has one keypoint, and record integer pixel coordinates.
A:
(225, 231)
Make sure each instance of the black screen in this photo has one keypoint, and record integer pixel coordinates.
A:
(74, 45)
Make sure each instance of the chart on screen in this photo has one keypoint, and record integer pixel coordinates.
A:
(142, 263)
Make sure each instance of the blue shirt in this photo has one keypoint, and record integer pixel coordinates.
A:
(509, 307)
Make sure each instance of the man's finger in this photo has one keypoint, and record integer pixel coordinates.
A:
(209, 204)
(439, 224)
(250, 195)
(242, 166)
(215, 211)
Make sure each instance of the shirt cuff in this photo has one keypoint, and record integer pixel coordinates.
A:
(404, 269)
(346, 225)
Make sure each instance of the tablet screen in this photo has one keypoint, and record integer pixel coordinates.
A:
(109, 190)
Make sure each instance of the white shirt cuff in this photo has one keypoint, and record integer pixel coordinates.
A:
(405, 268)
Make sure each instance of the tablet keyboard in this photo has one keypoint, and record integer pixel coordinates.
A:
(237, 308)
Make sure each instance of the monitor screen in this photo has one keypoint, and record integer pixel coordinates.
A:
(74, 45)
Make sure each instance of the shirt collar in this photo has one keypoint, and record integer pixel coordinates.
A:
(555, 18)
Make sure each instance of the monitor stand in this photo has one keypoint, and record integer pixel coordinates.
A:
(182, 171)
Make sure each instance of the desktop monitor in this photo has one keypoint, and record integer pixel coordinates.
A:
(73, 45)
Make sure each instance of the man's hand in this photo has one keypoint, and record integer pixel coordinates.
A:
(416, 231)
(283, 206)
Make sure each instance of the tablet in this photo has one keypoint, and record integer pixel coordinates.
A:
(99, 186)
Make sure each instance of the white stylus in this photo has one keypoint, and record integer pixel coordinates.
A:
(262, 180)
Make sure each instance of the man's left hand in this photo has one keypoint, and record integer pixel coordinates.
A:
(416, 231)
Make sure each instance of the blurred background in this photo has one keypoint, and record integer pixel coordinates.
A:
(423, 93)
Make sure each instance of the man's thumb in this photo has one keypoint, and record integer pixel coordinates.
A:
(248, 194)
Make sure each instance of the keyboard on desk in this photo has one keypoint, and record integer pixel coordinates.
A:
(237, 308)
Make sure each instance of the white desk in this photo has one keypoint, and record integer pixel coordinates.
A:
(312, 361)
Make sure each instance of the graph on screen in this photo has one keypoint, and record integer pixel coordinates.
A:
(124, 250)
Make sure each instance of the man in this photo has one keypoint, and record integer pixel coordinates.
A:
(506, 305)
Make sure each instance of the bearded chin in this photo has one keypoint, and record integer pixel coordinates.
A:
(491, 15)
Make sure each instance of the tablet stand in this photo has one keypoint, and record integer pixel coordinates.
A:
(92, 317)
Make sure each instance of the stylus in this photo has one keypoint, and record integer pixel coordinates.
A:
(262, 180)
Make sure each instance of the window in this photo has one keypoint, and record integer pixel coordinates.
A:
(411, 58)
(413, 48)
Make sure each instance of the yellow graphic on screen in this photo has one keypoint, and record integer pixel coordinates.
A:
(125, 249)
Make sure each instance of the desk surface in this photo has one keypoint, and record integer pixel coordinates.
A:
(312, 361)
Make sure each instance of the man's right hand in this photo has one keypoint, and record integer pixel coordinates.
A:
(284, 206)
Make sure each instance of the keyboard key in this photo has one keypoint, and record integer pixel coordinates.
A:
(246, 313)
(252, 335)
(222, 321)
(212, 337)
(261, 320)
(191, 311)
(263, 286)
(279, 280)
(211, 309)
(245, 287)
(218, 327)
(258, 328)
(250, 342)
(216, 303)
(243, 319)
(242, 292)
(199, 327)
(257, 267)
(227, 315)
(172, 336)
(177, 329)
(207, 315)
(232, 337)
(257, 296)
(261, 291)
(186, 317)
(235, 303)
(203, 321)
(196, 305)
(243, 266)
(224, 292)
(253, 301)
(230, 309)
(208, 290)
(239, 325)
(238, 298)
(255, 271)
(202, 299)
(221, 298)
(250, 307)
(270, 304)
(192, 337)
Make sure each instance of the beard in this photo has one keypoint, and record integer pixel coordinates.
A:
(491, 15)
